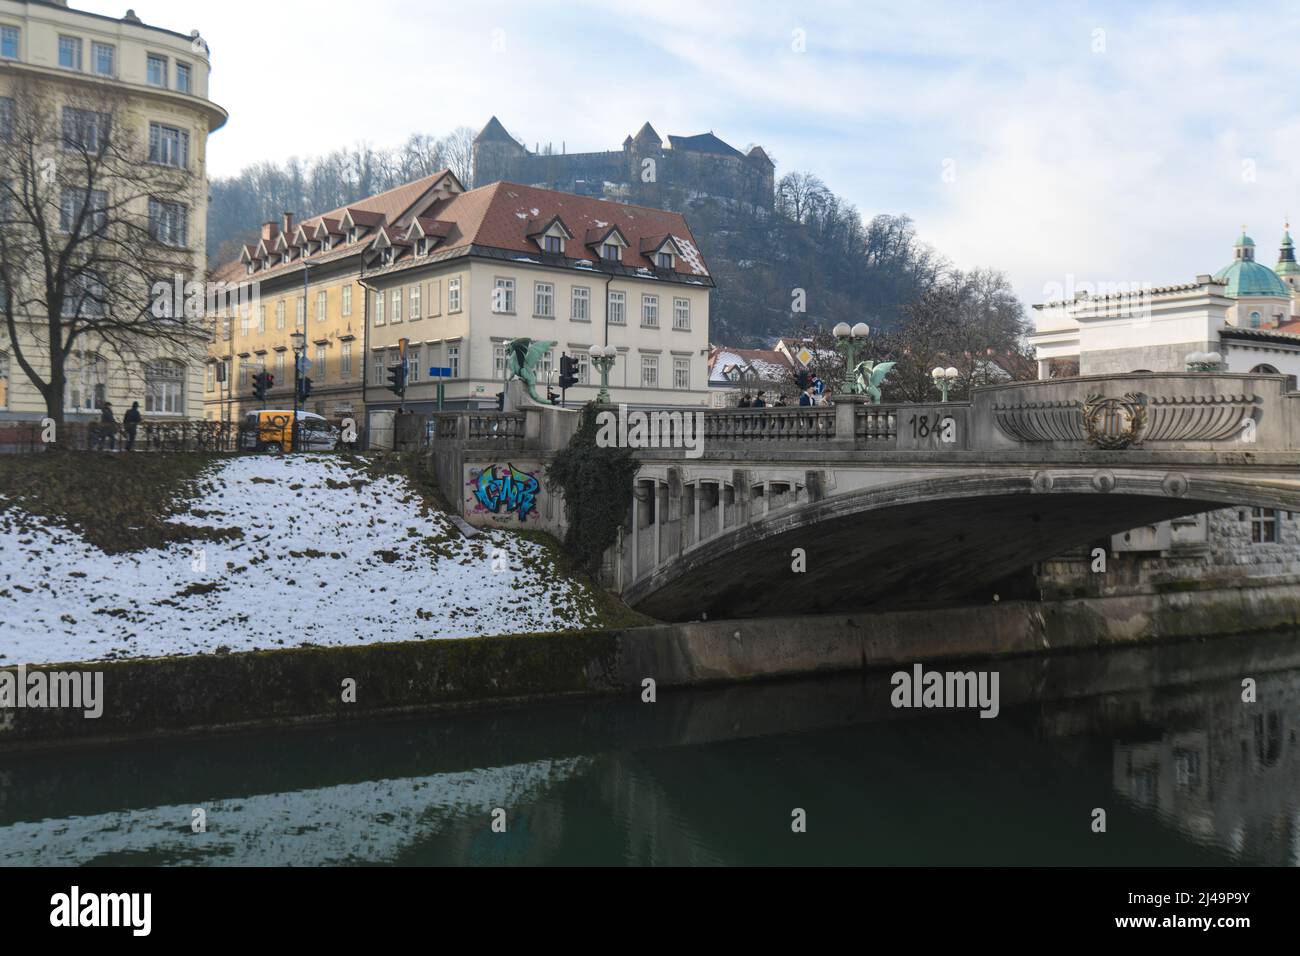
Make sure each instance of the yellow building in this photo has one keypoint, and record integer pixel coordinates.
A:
(157, 80)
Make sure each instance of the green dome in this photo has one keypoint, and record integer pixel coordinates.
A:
(1248, 277)
(1286, 262)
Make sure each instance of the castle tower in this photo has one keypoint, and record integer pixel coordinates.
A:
(497, 155)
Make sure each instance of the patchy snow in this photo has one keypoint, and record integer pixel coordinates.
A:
(691, 255)
(321, 561)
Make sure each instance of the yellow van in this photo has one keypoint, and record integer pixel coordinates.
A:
(271, 430)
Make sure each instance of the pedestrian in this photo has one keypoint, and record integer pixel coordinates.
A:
(131, 420)
(758, 401)
(744, 401)
(806, 397)
(107, 426)
(780, 401)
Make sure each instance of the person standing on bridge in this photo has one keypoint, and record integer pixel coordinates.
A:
(806, 397)
(758, 401)
(744, 401)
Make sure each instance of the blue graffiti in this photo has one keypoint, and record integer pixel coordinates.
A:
(512, 489)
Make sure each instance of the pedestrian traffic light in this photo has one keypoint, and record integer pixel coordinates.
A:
(568, 371)
(397, 379)
(262, 383)
(304, 389)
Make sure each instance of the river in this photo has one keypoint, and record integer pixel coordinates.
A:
(1158, 737)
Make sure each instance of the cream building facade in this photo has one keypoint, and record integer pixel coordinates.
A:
(159, 78)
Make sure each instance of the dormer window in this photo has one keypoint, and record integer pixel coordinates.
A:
(305, 250)
(352, 234)
(387, 256)
(553, 244)
(325, 244)
(611, 251)
(664, 260)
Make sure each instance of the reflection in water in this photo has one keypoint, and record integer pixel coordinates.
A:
(1159, 737)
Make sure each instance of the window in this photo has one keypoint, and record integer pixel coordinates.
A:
(618, 308)
(84, 130)
(378, 369)
(87, 381)
(664, 260)
(453, 294)
(682, 314)
(649, 371)
(243, 323)
(681, 373)
(279, 314)
(396, 300)
(70, 53)
(379, 307)
(183, 77)
(1263, 525)
(279, 367)
(6, 118)
(650, 311)
(244, 371)
(103, 58)
(1255, 320)
(71, 202)
(581, 307)
(503, 296)
(169, 146)
(322, 301)
(261, 318)
(300, 312)
(547, 364)
(164, 388)
(453, 360)
(212, 378)
(345, 359)
(415, 302)
(347, 300)
(169, 222)
(553, 244)
(611, 251)
(435, 297)
(86, 296)
(584, 368)
(412, 364)
(499, 361)
(9, 43)
(156, 70)
(321, 363)
(544, 299)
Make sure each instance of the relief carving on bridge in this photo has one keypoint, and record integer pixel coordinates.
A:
(1135, 418)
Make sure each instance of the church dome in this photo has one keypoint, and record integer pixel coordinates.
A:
(1246, 277)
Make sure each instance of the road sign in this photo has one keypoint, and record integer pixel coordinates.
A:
(440, 371)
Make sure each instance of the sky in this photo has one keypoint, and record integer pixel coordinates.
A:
(1063, 143)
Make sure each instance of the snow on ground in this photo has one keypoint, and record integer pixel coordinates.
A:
(321, 561)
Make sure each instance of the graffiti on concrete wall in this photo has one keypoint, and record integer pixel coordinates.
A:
(504, 490)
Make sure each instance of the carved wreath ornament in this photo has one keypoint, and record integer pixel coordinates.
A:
(1114, 422)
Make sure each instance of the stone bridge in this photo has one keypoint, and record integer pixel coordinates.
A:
(808, 510)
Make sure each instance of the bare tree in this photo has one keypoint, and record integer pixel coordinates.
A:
(457, 149)
(93, 220)
(801, 196)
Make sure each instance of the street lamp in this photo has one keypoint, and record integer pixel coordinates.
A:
(299, 340)
(943, 377)
(602, 357)
(848, 341)
(1204, 362)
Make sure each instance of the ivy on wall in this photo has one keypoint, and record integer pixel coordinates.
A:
(597, 486)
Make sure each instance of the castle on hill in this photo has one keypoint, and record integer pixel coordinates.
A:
(646, 171)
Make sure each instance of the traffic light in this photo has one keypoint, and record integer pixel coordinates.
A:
(397, 378)
(304, 389)
(263, 382)
(501, 401)
(568, 371)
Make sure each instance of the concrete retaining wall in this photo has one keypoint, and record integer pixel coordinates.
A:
(164, 697)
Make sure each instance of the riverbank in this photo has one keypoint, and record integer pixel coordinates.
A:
(203, 694)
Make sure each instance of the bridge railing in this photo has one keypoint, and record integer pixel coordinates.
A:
(769, 424)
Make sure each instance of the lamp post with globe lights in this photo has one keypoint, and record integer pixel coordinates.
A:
(847, 341)
(943, 379)
(1204, 362)
(602, 358)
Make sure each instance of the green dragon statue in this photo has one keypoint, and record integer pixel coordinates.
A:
(522, 357)
(870, 376)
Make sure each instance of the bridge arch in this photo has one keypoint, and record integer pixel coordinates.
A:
(930, 538)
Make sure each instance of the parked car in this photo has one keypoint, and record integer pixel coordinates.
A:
(272, 430)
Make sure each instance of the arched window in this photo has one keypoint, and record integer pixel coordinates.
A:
(87, 381)
(1264, 370)
(4, 379)
(1255, 320)
(164, 388)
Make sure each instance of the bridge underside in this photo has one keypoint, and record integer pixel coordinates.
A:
(916, 553)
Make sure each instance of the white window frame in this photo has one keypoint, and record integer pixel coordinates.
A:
(347, 299)
(617, 316)
(544, 300)
(395, 306)
(414, 310)
(503, 295)
(453, 294)
(649, 310)
(681, 373)
(681, 313)
(580, 304)
(322, 305)
(650, 363)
